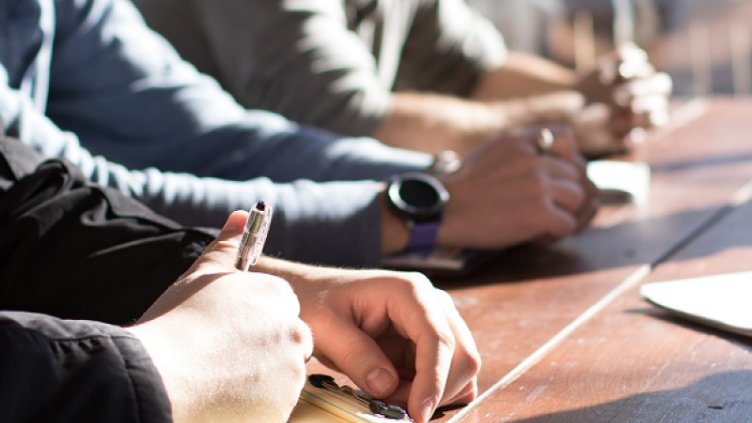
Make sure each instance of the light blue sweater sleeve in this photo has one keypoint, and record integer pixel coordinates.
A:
(132, 115)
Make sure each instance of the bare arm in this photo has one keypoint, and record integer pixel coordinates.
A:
(433, 122)
(523, 75)
(622, 93)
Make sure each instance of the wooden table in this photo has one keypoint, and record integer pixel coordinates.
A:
(563, 332)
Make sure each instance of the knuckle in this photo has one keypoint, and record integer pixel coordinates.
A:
(298, 379)
(281, 289)
(444, 297)
(300, 333)
(519, 144)
(446, 340)
(417, 281)
(531, 162)
(223, 245)
(421, 279)
(351, 351)
(474, 361)
(579, 194)
(281, 286)
(538, 186)
(564, 226)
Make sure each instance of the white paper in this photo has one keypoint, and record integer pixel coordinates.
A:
(722, 301)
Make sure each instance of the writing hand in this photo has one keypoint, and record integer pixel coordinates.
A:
(229, 345)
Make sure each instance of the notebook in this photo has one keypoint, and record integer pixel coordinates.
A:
(719, 301)
(333, 403)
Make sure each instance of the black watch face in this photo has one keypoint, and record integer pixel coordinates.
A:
(420, 197)
(419, 194)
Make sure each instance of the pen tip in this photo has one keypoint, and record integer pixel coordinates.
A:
(261, 206)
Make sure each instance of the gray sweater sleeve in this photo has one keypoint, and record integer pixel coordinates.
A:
(449, 46)
(297, 58)
(303, 59)
(125, 109)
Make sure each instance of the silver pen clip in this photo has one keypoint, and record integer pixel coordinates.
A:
(254, 236)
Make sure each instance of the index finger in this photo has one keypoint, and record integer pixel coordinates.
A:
(433, 359)
(435, 345)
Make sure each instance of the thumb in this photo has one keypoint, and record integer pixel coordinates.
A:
(359, 357)
(220, 255)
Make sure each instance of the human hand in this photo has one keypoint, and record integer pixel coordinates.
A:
(394, 334)
(625, 91)
(228, 345)
(507, 192)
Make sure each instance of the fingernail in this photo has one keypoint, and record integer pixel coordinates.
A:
(427, 409)
(379, 381)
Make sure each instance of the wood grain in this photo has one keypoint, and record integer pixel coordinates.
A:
(634, 363)
(523, 300)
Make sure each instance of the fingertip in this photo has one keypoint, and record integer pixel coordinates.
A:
(565, 225)
(426, 409)
(381, 382)
(235, 221)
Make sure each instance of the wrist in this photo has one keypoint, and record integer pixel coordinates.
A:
(153, 339)
(418, 200)
(395, 232)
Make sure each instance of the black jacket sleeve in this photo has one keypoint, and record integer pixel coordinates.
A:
(57, 370)
(75, 250)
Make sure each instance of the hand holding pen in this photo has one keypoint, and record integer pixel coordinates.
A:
(254, 236)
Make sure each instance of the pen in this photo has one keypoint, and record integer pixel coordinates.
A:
(254, 236)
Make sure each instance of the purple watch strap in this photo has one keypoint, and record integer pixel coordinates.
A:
(423, 236)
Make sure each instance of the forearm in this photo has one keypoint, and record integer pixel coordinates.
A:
(434, 123)
(524, 75)
(335, 223)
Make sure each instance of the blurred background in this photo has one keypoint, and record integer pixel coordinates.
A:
(705, 45)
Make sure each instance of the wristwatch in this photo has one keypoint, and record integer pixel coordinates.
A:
(419, 198)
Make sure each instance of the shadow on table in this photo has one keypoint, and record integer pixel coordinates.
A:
(723, 397)
(628, 244)
(666, 316)
(673, 166)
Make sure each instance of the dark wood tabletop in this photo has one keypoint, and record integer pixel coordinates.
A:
(562, 330)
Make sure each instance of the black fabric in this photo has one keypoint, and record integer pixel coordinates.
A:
(54, 370)
(75, 250)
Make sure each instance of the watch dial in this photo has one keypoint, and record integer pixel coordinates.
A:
(419, 194)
